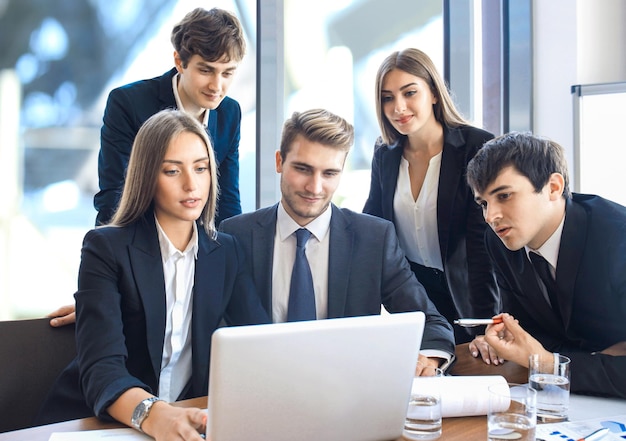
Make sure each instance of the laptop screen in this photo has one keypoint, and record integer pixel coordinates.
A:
(347, 378)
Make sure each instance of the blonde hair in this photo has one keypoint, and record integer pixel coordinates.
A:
(317, 125)
(146, 158)
(417, 63)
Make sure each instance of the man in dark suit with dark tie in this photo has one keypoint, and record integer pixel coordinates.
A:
(208, 46)
(352, 262)
(560, 262)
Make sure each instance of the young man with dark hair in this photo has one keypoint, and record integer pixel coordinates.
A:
(560, 262)
(208, 47)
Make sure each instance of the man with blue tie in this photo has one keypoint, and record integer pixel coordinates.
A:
(560, 261)
(313, 260)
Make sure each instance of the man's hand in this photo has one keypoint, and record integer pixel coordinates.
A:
(65, 315)
(426, 366)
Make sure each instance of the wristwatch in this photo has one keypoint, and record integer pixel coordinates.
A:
(142, 411)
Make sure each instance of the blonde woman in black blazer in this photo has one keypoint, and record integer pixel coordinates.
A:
(125, 300)
(418, 183)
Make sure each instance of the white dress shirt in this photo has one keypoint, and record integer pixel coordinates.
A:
(179, 103)
(317, 249)
(416, 219)
(179, 270)
(550, 248)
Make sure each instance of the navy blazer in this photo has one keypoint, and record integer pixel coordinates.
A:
(128, 107)
(460, 222)
(121, 315)
(591, 279)
(366, 268)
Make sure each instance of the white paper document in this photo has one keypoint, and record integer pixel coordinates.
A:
(461, 395)
(126, 434)
(574, 430)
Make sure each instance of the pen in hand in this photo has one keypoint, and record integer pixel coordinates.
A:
(471, 322)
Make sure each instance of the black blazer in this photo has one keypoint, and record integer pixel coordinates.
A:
(460, 222)
(128, 107)
(367, 269)
(121, 314)
(591, 279)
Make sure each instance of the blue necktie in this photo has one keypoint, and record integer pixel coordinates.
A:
(301, 294)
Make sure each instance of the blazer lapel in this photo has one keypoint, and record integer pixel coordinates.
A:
(207, 305)
(147, 266)
(570, 254)
(450, 174)
(166, 90)
(262, 237)
(533, 295)
(389, 170)
(339, 257)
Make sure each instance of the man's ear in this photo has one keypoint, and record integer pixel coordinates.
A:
(556, 184)
(279, 162)
(178, 62)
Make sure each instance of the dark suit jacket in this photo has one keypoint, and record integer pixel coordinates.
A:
(367, 268)
(121, 314)
(591, 279)
(460, 222)
(128, 107)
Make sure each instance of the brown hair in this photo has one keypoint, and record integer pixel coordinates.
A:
(146, 159)
(214, 35)
(417, 63)
(534, 157)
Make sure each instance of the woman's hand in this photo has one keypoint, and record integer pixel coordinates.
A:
(168, 423)
(479, 346)
(164, 421)
(512, 342)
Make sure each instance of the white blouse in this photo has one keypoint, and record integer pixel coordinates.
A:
(416, 220)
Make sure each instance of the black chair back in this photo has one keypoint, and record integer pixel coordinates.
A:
(32, 355)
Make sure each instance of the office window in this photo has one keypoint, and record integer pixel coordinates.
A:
(59, 61)
(332, 50)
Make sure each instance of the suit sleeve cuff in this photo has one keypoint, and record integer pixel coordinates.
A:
(434, 353)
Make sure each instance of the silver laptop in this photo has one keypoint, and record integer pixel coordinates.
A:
(337, 379)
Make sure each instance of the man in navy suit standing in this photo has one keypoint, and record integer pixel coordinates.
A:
(355, 260)
(208, 46)
(560, 262)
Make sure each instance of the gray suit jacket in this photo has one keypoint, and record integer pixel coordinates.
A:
(367, 268)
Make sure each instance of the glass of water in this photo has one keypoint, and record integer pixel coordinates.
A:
(423, 418)
(551, 379)
(512, 412)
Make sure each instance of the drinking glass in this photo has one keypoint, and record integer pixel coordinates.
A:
(512, 412)
(551, 380)
(423, 419)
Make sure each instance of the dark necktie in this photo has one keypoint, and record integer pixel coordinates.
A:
(301, 295)
(543, 269)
